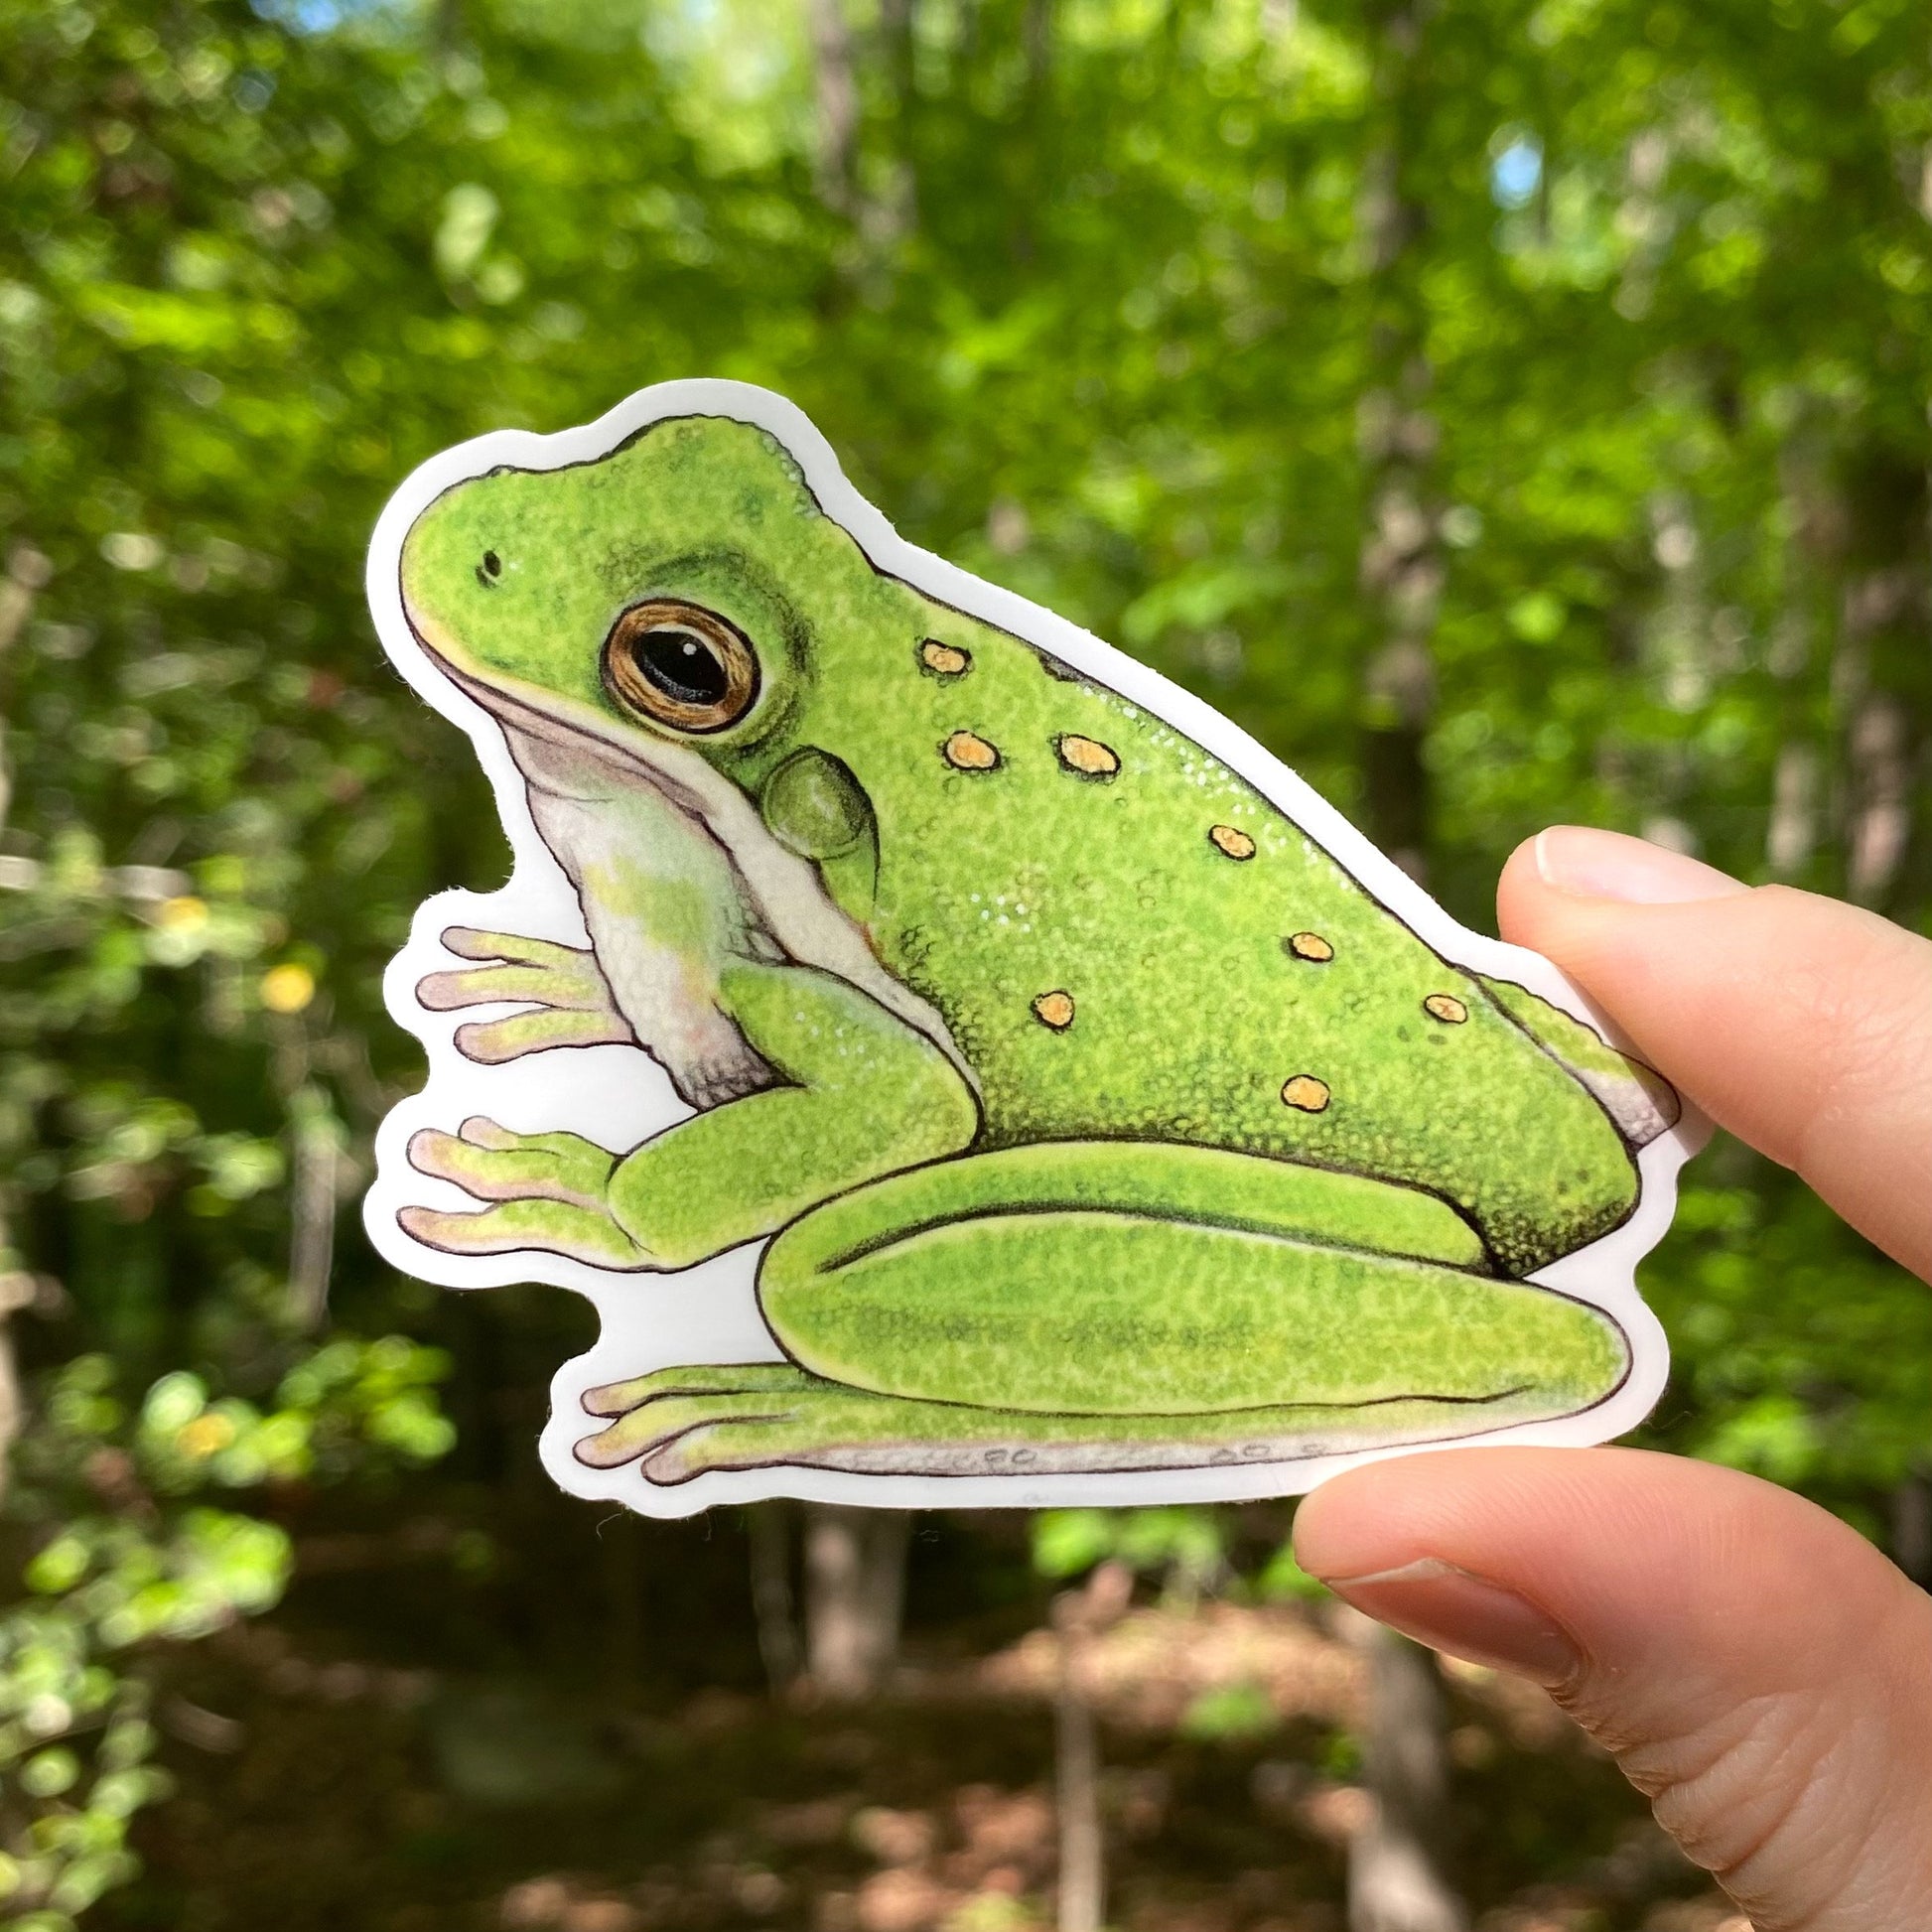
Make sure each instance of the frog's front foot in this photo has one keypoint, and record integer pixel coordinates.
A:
(567, 1000)
(546, 1190)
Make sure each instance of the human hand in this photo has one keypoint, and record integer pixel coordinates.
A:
(1758, 1670)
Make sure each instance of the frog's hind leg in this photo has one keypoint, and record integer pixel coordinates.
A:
(1118, 1305)
(1150, 1278)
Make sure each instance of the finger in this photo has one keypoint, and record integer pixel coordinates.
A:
(1759, 1671)
(466, 943)
(492, 1042)
(1803, 1025)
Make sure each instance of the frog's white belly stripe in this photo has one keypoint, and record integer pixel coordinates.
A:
(607, 801)
(629, 847)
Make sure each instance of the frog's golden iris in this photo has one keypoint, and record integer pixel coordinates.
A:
(681, 666)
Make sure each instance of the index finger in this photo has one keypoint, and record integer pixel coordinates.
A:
(1801, 1023)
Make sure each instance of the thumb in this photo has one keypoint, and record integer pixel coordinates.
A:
(1802, 1024)
(1761, 1672)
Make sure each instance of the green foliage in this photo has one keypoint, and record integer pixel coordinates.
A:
(1803, 1356)
(126, 1557)
(1099, 310)
(1282, 1579)
(1186, 1547)
(1231, 1711)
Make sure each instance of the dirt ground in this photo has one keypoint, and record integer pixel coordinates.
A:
(561, 1724)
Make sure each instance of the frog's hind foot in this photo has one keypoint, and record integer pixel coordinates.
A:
(653, 1413)
(679, 1423)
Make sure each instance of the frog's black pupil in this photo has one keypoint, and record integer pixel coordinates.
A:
(682, 666)
(492, 563)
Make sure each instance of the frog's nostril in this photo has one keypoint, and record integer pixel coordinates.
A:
(490, 570)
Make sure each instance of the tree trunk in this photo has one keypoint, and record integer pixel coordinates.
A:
(1911, 1527)
(1815, 520)
(27, 572)
(1036, 42)
(1881, 797)
(1878, 773)
(1035, 130)
(1394, 1882)
(1083, 1890)
(1401, 557)
(774, 1604)
(620, 1561)
(836, 89)
(1793, 830)
(1080, 1615)
(897, 27)
(316, 1165)
(855, 1592)
(1395, 1879)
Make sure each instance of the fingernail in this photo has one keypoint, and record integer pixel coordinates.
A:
(1590, 863)
(1449, 1610)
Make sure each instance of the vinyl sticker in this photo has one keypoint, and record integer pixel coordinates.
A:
(962, 1067)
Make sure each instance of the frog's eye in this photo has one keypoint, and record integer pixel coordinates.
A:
(680, 665)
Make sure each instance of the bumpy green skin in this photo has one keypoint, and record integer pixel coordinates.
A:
(1267, 1277)
(1128, 1235)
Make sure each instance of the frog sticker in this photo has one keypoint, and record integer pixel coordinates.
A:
(959, 1065)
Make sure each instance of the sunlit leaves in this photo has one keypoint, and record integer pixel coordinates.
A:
(1101, 324)
(1185, 1548)
(128, 1555)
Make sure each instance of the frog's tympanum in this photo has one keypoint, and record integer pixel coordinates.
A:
(1094, 1116)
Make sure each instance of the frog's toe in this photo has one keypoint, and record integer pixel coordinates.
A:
(467, 1158)
(508, 969)
(495, 1041)
(475, 942)
(514, 949)
(699, 1378)
(495, 1165)
(656, 1432)
(572, 1003)
(515, 1226)
(741, 1442)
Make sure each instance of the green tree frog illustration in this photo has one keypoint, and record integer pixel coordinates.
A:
(1093, 1113)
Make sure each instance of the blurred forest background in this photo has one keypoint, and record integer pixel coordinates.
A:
(1510, 410)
